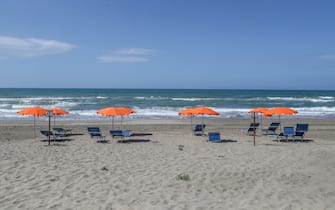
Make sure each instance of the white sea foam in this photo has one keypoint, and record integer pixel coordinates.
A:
(316, 111)
(157, 111)
(320, 99)
(150, 98)
(194, 99)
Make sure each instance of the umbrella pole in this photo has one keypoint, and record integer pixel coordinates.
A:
(49, 134)
(34, 127)
(191, 125)
(113, 123)
(254, 129)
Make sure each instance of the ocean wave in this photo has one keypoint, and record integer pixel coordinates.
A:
(320, 99)
(150, 98)
(195, 99)
(58, 104)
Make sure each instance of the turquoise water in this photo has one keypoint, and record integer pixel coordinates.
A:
(162, 103)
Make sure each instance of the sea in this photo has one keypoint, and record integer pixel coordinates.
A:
(164, 103)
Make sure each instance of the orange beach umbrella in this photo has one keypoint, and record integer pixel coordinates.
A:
(33, 111)
(115, 111)
(204, 111)
(198, 111)
(280, 111)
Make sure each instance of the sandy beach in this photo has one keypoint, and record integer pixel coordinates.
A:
(161, 174)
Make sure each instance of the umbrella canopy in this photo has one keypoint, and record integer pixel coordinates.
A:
(57, 111)
(33, 111)
(280, 111)
(198, 111)
(186, 112)
(115, 111)
(204, 111)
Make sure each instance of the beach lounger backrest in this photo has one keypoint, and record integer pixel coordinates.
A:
(252, 125)
(93, 129)
(273, 127)
(214, 136)
(302, 127)
(288, 131)
(199, 127)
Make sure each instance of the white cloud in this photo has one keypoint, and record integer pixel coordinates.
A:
(135, 51)
(122, 59)
(12, 47)
(128, 55)
(327, 56)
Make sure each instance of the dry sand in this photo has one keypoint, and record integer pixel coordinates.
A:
(84, 174)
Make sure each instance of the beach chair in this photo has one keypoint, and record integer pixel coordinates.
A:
(251, 128)
(300, 130)
(199, 129)
(95, 133)
(63, 131)
(272, 128)
(214, 137)
(54, 136)
(288, 133)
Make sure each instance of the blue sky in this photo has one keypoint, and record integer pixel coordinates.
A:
(235, 44)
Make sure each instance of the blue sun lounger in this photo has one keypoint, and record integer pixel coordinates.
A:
(54, 136)
(95, 133)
